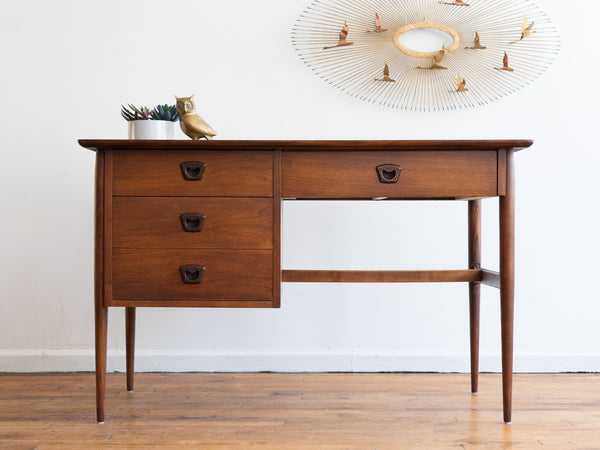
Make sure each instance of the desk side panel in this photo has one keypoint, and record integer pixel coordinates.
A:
(108, 226)
(99, 231)
(277, 228)
(502, 172)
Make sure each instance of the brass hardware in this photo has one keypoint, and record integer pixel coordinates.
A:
(388, 173)
(193, 170)
(192, 222)
(192, 273)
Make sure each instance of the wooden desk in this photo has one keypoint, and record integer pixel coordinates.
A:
(198, 224)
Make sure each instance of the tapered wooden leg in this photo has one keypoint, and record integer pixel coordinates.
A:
(101, 317)
(130, 345)
(474, 288)
(507, 282)
(100, 311)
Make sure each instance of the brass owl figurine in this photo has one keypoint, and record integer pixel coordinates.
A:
(191, 123)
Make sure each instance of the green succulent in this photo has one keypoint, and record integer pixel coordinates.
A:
(133, 113)
(165, 112)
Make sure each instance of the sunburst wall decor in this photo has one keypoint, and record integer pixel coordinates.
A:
(495, 47)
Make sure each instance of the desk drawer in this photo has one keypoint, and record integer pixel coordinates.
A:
(157, 274)
(423, 174)
(204, 173)
(226, 223)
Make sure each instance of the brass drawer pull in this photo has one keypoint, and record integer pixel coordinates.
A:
(192, 273)
(192, 222)
(388, 173)
(193, 170)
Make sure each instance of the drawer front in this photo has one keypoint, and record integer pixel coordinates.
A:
(193, 222)
(157, 274)
(423, 174)
(204, 173)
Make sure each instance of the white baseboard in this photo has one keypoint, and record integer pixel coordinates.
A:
(315, 361)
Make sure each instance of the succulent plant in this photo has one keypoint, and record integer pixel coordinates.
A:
(134, 113)
(165, 112)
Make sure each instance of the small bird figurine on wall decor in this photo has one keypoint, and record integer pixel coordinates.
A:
(437, 60)
(456, 3)
(476, 43)
(461, 84)
(191, 123)
(505, 65)
(378, 27)
(526, 30)
(343, 42)
(386, 75)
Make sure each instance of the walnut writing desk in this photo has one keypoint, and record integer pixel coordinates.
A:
(198, 223)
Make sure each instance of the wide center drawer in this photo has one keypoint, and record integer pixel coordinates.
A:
(193, 222)
(192, 274)
(392, 174)
(193, 173)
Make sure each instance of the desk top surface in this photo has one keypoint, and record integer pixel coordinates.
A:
(308, 145)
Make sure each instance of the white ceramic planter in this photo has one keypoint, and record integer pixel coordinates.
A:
(151, 129)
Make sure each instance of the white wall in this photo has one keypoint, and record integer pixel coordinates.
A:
(68, 65)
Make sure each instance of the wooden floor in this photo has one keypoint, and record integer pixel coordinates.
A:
(300, 411)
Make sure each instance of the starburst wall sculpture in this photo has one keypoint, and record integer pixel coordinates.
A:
(497, 47)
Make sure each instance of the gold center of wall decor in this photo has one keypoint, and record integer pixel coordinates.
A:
(423, 25)
(497, 47)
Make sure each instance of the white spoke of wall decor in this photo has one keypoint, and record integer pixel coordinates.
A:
(367, 64)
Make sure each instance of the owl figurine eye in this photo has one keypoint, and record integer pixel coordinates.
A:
(188, 106)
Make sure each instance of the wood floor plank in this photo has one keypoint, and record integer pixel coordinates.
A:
(300, 411)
